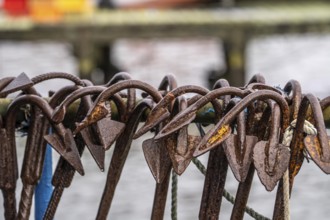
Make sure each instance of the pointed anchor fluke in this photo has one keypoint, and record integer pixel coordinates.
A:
(21, 82)
(239, 164)
(157, 158)
(270, 177)
(109, 130)
(97, 151)
(67, 149)
(97, 113)
(180, 161)
(217, 137)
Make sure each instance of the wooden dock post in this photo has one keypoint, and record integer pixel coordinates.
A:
(234, 50)
(84, 52)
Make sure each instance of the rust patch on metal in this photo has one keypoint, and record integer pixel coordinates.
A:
(219, 135)
(313, 147)
(98, 112)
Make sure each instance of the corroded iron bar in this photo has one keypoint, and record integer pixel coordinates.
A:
(204, 115)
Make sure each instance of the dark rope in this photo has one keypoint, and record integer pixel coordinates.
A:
(174, 205)
(228, 196)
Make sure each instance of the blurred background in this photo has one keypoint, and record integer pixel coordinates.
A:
(193, 60)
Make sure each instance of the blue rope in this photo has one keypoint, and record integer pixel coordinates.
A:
(44, 189)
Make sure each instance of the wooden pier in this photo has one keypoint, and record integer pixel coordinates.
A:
(234, 26)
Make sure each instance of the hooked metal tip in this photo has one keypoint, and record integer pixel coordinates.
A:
(178, 122)
(212, 139)
(109, 131)
(152, 121)
(97, 151)
(97, 113)
(78, 166)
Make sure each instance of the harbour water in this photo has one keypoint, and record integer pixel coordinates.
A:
(279, 59)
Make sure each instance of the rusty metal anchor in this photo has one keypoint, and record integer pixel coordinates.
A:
(181, 153)
(99, 110)
(119, 156)
(180, 160)
(220, 132)
(67, 151)
(284, 189)
(239, 148)
(318, 146)
(294, 96)
(96, 136)
(33, 160)
(64, 172)
(257, 122)
(161, 112)
(107, 135)
(35, 148)
(158, 159)
(217, 167)
(271, 158)
(257, 128)
(62, 140)
(156, 152)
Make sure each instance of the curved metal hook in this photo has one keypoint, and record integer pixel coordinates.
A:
(216, 135)
(131, 94)
(293, 87)
(99, 111)
(68, 152)
(160, 112)
(118, 159)
(257, 78)
(57, 75)
(189, 114)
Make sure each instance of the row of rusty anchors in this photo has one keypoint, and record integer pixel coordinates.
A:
(99, 111)
(40, 120)
(251, 131)
(262, 106)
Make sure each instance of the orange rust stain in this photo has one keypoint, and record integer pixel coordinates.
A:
(220, 133)
(99, 112)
